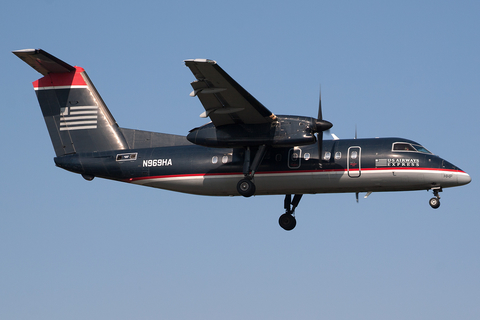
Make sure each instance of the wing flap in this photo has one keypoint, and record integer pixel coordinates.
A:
(224, 100)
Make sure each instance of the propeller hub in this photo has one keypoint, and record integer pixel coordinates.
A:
(322, 125)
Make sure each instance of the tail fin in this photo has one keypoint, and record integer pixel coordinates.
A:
(77, 119)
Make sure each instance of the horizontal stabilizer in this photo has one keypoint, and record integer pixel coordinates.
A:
(43, 61)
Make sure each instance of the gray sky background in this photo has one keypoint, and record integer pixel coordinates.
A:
(72, 249)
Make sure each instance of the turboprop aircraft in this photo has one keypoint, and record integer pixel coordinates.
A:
(245, 149)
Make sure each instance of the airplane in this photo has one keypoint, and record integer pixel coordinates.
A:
(245, 150)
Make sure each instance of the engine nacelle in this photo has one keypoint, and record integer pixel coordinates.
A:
(285, 131)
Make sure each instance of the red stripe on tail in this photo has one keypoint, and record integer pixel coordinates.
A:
(61, 79)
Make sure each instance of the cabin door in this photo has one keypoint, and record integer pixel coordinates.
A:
(354, 162)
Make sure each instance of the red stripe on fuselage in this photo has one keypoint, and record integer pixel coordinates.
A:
(287, 172)
(61, 79)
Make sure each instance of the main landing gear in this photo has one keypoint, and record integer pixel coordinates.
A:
(435, 201)
(246, 187)
(287, 220)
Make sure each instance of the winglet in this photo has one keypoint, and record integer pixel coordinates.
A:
(43, 61)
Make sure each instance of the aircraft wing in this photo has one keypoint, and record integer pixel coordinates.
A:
(224, 100)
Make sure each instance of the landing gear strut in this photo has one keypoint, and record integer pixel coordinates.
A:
(435, 202)
(246, 187)
(287, 220)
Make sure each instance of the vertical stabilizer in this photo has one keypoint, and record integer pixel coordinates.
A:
(77, 119)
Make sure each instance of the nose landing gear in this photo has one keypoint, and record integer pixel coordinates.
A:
(435, 201)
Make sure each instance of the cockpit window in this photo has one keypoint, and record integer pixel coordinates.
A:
(403, 146)
(421, 149)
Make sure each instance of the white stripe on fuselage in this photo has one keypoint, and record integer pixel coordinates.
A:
(309, 181)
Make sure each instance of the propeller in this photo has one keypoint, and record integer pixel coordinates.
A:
(320, 126)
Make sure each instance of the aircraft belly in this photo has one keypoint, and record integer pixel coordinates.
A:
(285, 183)
(209, 185)
(338, 181)
(308, 182)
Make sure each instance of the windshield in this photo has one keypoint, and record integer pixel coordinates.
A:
(421, 149)
(408, 147)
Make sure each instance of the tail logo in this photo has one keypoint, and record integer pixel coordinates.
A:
(78, 118)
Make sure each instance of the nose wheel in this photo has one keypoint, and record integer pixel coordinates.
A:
(435, 201)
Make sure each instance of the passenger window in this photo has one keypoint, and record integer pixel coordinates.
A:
(338, 155)
(327, 156)
(306, 156)
(214, 159)
(224, 159)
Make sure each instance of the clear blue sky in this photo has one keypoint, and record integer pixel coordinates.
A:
(72, 249)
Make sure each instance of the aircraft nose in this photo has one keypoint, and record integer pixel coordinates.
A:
(463, 178)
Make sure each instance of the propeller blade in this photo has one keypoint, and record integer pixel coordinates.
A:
(320, 126)
(320, 117)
